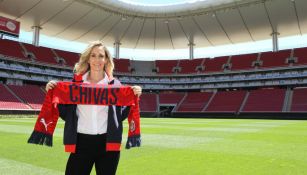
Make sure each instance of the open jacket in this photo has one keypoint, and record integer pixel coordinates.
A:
(58, 102)
(116, 115)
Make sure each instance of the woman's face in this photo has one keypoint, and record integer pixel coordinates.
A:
(97, 59)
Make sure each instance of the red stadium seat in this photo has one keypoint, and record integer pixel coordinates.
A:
(9, 101)
(122, 65)
(275, 59)
(299, 100)
(243, 62)
(70, 58)
(170, 98)
(301, 54)
(265, 100)
(215, 64)
(31, 94)
(226, 101)
(194, 102)
(189, 66)
(42, 54)
(12, 48)
(166, 66)
(148, 102)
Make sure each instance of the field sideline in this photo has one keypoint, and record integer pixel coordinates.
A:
(174, 147)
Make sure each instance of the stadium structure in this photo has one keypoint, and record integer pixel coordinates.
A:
(259, 85)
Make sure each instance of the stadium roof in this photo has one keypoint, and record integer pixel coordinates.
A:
(160, 26)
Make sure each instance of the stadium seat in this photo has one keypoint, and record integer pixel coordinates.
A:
(42, 54)
(9, 101)
(148, 102)
(31, 94)
(189, 66)
(226, 101)
(166, 66)
(122, 65)
(299, 100)
(194, 102)
(243, 62)
(12, 48)
(275, 59)
(265, 100)
(301, 55)
(170, 98)
(215, 64)
(70, 58)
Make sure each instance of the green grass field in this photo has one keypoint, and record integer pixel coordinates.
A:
(174, 147)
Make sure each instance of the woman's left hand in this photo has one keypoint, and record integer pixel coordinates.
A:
(137, 90)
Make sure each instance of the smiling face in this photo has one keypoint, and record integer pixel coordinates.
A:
(97, 59)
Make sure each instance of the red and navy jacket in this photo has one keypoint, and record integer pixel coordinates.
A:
(116, 115)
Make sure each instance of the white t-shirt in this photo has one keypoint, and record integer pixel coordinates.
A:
(93, 119)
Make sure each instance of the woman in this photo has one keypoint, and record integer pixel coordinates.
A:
(94, 67)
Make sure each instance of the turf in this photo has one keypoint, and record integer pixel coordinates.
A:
(174, 147)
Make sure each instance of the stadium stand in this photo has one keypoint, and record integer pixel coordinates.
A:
(301, 55)
(170, 98)
(194, 102)
(265, 100)
(166, 66)
(70, 58)
(122, 65)
(243, 62)
(299, 102)
(275, 59)
(30, 94)
(190, 66)
(42, 54)
(9, 101)
(174, 75)
(226, 101)
(12, 48)
(148, 102)
(215, 64)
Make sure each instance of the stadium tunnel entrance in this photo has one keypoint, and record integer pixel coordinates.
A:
(166, 110)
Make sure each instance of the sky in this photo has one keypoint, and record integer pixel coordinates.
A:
(150, 55)
(158, 2)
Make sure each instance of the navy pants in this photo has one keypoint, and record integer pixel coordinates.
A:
(91, 150)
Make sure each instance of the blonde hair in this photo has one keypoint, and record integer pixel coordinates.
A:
(82, 65)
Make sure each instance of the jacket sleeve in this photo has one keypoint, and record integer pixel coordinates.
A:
(125, 112)
(62, 111)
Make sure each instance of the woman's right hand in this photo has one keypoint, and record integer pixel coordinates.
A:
(50, 85)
